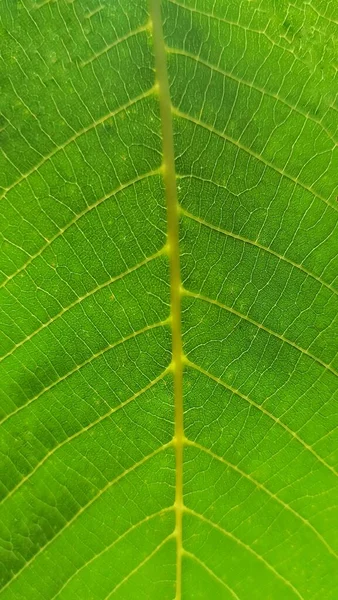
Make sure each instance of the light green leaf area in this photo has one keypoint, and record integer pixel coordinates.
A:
(93, 452)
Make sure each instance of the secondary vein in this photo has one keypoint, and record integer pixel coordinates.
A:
(169, 178)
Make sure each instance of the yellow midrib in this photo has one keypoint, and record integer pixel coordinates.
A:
(169, 178)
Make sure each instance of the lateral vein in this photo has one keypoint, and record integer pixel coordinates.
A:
(256, 243)
(249, 548)
(261, 326)
(85, 507)
(80, 299)
(77, 368)
(262, 487)
(83, 430)
(260, 407)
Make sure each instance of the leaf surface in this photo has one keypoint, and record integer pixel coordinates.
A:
(168, 300)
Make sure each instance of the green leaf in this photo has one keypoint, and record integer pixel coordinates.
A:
(168, 300)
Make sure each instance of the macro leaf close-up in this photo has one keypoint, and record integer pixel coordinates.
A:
(168, 300)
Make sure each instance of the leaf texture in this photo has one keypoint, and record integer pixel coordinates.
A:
(168, 300)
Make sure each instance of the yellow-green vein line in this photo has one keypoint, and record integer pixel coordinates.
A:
(160, 513)
(77, 368)
(83, 430)
(84, 507)
(169, 178)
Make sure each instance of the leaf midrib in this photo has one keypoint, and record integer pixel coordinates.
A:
(169, 179)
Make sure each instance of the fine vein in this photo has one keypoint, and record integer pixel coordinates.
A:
(169, 178)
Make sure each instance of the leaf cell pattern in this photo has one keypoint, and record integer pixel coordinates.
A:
(104, 494)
